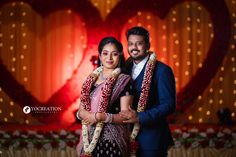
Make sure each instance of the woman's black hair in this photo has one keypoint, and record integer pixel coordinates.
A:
(112, 40)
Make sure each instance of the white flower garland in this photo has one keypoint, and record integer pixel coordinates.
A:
(89, 147)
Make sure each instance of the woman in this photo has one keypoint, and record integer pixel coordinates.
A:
(105, 93)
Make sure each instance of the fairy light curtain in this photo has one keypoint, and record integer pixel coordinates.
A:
(42, 52)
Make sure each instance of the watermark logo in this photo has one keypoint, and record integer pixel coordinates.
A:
(41, 109)
(26, 109)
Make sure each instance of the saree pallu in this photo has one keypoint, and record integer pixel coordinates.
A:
(114, 138)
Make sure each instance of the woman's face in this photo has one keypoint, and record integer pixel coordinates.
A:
(109, 56)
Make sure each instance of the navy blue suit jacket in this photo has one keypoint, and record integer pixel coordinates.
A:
(155, 133)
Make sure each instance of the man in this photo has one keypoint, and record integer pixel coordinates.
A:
(154, 137)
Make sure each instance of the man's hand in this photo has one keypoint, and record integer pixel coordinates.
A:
(130, 115)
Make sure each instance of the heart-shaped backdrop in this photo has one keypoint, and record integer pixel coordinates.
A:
(96, 28)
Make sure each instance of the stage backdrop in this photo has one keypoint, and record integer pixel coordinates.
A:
(47, 50)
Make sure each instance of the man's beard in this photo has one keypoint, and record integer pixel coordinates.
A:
(138, 58)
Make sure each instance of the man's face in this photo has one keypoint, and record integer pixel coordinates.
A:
(137, 48)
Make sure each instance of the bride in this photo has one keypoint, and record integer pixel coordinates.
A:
(106, 92)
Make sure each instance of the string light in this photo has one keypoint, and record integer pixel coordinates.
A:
(208, 113)
(200, 109)
(190, 117)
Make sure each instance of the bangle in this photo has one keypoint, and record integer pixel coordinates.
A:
(109, 117)
(78, 114)
(95, 118)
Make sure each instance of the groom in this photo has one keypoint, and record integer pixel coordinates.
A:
(154, 137)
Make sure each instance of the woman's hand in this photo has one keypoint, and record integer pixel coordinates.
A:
(89, 118)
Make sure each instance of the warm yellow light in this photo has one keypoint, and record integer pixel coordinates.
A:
(198, 20)
(199, 53)
(163, 27)
(12, 36)
(235, 104)
(232, 114)
(22, 24)
(177, 64)
(232, 46)
(13, 4)
(220, 101)
(11, 48)
(189, 41)
(1, 44)
(199, 42)
(24, 67)
(200, 65)
(190, 117)
(220, 91)
(24, 46)
(11, 103)
(139, 13)
(22, 56)
(200, 120)
(188, 28)
(210, 101)
(200, 109)
(27, 121)
(13, 59)
(24, 13)
(211, 90)
(1, 99)
(164, 49)
(208, 113)
(199, 97)
(221, 79)
(188, 63)
(222, 68)
(69, 11)
(23, 34)
(174, 12)
(108, 10)
(148, 17)
(25, 79)
(0, 111)
(173, 19)
(188, 19)
(176, 42)
(11, 13)
(186, 73)
(189, 50)
(13, 25)
(175, 56)
(232, 59)
(13, 69)
(234, 91)
(11, 114)
(5, 119)
(130, 21)
(233, 69)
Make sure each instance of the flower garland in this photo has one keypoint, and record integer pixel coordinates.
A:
(102, 106)
(143, 100)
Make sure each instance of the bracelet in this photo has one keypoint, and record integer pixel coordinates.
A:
(78, 114)
(109, 117)
(95, 118)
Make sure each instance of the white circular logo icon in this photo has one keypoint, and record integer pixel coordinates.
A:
(26, 109)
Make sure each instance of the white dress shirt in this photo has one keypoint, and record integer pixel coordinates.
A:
(137, 68)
